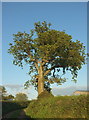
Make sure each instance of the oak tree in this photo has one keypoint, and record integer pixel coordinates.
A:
(21, 97)
(47, 51)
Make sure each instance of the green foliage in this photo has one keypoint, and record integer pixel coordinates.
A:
(23, 104)
(21, 97)
(49, 48)
(45, 94)
(3, 92)
(8, 97)
(4, 95)
(59, 107)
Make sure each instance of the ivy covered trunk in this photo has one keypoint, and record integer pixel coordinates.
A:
(40, 81)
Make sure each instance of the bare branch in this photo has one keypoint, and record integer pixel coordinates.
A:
(31, 58)
(49, 70)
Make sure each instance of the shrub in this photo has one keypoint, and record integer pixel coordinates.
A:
(45, 94)
(21, 97)
(59, 107)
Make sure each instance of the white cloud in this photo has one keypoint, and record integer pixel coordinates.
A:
(67, 90)
(13, 86)
(14, 89)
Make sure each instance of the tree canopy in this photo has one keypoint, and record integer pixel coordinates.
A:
(21, 97)
(3, 93)
(3, 90)
(46, 51)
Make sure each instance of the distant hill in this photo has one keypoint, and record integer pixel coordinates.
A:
(81, 92)
(67, 91)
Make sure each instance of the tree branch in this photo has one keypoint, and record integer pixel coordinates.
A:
(37, 66)
(56, 66)
(49, 70)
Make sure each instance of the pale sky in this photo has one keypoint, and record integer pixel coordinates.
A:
(20, 16)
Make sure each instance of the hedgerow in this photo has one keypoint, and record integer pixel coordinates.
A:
(59, 107)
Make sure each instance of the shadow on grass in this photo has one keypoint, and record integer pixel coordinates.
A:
(16, 115)
(14, 110)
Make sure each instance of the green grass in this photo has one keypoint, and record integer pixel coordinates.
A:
(59, 107)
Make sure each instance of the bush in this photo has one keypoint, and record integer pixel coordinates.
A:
(23, 104)
(21, 97)
(45, 94)
(59, 107)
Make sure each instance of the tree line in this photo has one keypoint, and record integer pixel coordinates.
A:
(5, 96)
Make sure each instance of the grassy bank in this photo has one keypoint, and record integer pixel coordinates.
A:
(59, 107)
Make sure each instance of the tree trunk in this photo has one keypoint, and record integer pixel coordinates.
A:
(40, 81)
(40, 86)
